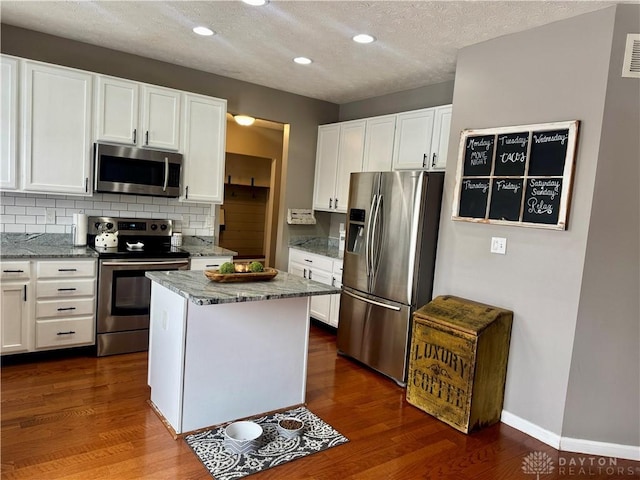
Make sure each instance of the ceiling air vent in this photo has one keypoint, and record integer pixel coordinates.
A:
(631, 64)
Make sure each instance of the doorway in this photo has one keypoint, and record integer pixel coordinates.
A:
(248, 217)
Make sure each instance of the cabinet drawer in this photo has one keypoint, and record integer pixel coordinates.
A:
(66, 288)
(311, 260)
(65, 308)
(61, 269)
(64, 332)
(206, 263)
(15, 270)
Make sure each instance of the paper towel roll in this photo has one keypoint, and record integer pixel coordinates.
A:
(80, 224)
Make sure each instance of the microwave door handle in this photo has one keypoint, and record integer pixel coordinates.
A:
(166, 173)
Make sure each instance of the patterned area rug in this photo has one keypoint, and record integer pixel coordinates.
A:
(274, 450)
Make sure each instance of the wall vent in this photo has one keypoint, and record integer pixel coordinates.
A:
(631, 63)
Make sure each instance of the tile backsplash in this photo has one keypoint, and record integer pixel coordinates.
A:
(32, 213)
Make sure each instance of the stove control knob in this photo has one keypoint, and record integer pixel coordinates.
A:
(109, 225)
(154, 227)
(163, 226)
(97, 225)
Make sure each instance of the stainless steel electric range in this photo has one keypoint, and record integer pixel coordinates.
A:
(124, 293)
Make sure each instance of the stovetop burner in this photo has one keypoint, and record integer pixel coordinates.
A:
(137, 238)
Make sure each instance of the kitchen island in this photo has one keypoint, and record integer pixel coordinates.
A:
(224, 351)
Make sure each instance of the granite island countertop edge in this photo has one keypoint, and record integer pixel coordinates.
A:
(199, 290)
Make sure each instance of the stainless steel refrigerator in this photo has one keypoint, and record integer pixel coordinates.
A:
(392, 231)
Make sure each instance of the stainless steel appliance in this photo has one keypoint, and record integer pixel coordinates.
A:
(140, 171)
(392, 230)
(124, 293)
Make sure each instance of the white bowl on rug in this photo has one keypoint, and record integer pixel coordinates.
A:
(290, 427)
(242, 437)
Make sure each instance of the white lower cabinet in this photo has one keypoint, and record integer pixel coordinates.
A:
(16, 298)
(65, 303)
(207, 263)
(321, 269)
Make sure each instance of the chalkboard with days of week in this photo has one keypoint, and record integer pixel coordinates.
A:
(518, 175)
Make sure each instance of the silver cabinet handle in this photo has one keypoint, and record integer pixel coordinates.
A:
(330, 203)
(304, 273)
(24, 292)
(64, 309)
(308, 261)
(67, 269)
(13, 271)
(135, 135)
(309, 274)
(70, 332)
(146, 141)
(166, 174)
(433, 161)
(336, 203)
(424, 160)
(66, 289)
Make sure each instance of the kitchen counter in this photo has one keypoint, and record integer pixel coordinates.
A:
(220, 352)
(327, 247)
(198, 289)
(207, 251)
(40, 245)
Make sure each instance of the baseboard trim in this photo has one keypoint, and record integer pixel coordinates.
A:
(531, 429)
(574, 445)
(577, 445)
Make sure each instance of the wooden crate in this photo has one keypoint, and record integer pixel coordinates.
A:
(458, 361)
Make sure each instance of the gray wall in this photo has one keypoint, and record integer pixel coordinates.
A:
(423, 97)
(552, 73)
(603, 398)
(302, 113)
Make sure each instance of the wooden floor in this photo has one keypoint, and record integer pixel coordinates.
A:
(88, 418)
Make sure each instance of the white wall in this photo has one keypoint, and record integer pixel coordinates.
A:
(26, 213)
(553, 73)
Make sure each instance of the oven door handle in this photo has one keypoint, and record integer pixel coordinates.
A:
(145, 264)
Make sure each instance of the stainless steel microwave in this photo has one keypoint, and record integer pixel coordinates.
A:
(140, 171)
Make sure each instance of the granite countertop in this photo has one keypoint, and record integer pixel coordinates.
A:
(327, 247)
(207, 251)
(198, 289)
(33, 245)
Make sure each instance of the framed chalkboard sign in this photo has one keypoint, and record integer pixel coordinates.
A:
(519, 175)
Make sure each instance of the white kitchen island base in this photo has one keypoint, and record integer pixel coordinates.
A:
(210, 364)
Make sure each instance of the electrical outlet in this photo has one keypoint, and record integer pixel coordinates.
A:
(499, 245)
(51, 216)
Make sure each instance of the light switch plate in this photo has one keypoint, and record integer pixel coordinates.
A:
(499, 245)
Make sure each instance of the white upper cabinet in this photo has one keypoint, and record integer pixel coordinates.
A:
(339, 153)
(161, 117)
(56, 129)
(203, 140)
(137, 114)
(326, 166)
(8, 123)
(117, 110)
(440, 139)
(378, 143)
(412, 146)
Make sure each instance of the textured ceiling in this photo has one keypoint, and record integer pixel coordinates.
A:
(417, 41)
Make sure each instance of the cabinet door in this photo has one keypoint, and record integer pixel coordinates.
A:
(378, 144)
(160, 118)
(326, 166)
(440, 141)
(350, 157)
(412, 145)
(297, 269)
(56, 116)
(14, 322)
(204, 136)
(320, 307)
(9, 123)
(117, 110)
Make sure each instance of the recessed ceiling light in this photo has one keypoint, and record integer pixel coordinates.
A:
(364, 38)
(256, 3)
(203, 31)
(302, 60)
(244, 120)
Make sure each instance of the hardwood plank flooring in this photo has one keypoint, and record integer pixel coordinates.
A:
(88, 418)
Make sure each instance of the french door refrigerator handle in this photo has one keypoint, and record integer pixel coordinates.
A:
(375, 250)
(372, 302)
(367, 243)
